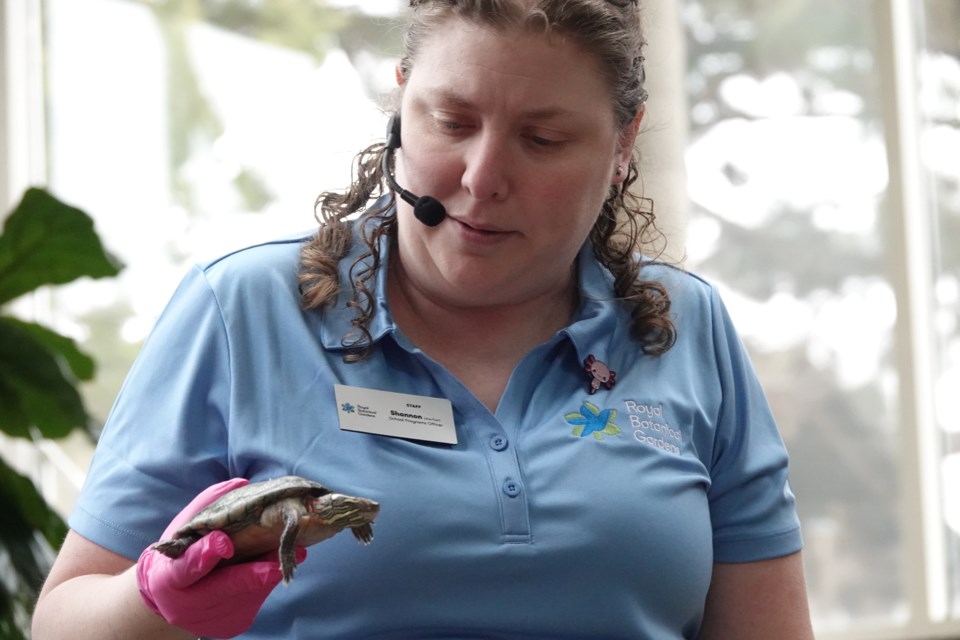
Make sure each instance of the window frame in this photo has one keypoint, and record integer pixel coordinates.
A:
(910, 219)
(22, 114)
(923, 550)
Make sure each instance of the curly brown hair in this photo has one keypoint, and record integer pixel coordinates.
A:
(625, 222)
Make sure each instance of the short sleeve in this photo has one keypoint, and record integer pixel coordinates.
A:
(752, 508)
(165, 438)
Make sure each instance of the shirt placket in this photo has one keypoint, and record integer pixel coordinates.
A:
(486, 433)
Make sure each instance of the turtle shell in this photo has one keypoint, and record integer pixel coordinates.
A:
(238, 509)
(243, 506)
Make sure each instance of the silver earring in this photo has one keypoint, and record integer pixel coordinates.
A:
(619, 170)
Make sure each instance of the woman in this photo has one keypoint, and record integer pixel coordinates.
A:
(609, 468)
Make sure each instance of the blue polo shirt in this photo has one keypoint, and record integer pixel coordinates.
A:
(571, 512)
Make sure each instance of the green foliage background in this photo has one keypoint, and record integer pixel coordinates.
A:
(44, 242)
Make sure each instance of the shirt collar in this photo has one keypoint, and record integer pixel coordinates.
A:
(601, 319)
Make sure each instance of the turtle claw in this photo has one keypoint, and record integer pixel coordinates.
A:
(174, 547)
(363, 533)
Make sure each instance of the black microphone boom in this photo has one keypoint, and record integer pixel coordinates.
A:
(426, 209)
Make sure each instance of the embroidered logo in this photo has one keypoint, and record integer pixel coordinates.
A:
(650, 426)
(591, 420)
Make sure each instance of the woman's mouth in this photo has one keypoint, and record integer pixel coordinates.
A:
(477, 232)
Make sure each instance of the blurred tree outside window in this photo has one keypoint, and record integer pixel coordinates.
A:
(788, 181)
(191, 127)
(787, 171)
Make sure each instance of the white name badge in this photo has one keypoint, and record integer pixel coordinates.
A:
(399, 415)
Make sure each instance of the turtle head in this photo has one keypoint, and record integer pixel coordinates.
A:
(342, 511)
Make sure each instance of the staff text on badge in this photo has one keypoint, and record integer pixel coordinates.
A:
(399, 415)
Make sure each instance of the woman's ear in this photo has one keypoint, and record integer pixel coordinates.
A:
(399, 75)
(628, 137)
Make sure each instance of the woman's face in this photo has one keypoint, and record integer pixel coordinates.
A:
(514, 133)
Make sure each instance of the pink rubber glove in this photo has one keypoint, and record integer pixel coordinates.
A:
(190, 592)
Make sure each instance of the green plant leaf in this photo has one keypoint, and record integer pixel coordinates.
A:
(10, 613)
(82, 365)
(35, 389)
(26, 510)
(45, 241)
(25, 556)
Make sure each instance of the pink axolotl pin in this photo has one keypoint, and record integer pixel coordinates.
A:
(600, 374)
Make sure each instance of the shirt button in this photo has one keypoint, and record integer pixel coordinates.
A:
(498, 443)
(511, 487)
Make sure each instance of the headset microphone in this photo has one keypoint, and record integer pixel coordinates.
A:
(426, 209)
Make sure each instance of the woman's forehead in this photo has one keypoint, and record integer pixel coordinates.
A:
(455, 58)
(527, 78)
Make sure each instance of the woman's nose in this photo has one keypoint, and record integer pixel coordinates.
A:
(485, 170)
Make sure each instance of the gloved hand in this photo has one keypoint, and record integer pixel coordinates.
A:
(192, 593)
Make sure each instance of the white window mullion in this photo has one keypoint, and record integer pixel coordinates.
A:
(22, 121)
(665, 131)
(910, 251)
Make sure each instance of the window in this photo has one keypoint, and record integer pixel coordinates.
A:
(939, 149)
(787, 175)
(820, 145)
(189, 128)
(813, 204)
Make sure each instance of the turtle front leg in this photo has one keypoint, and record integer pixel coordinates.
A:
(174, 547)
(288, 540)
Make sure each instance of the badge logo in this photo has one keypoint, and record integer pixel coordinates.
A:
(592, 421)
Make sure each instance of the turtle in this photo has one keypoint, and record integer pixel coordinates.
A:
(281, 513)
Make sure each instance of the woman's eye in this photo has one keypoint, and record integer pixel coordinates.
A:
(449, 125)
(543, 142)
